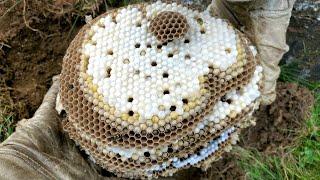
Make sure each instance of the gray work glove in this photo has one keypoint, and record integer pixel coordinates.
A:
(39, 150)
(265, 22)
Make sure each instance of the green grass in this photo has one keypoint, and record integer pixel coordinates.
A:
(300, 160)
(291, 73)
(257, 166)
(7, 126)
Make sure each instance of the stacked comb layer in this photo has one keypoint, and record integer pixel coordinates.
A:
(142, 105)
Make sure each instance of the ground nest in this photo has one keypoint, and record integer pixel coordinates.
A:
(23, 64)
(146, 98)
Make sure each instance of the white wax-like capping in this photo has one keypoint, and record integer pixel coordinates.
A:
(138, 78)
(212, 147)
(238, 101)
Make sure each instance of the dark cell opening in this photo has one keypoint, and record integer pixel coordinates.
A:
(146, 154)
(130, 113)
(130, 99)
(185, 101)
(137, 45)
(165, 75)
(173, 108)
(153, 63)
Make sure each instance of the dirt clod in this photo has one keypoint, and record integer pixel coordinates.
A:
(278, 124)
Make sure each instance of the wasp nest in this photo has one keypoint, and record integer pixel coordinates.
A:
(144, 108)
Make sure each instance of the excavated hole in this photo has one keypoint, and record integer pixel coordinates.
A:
(166, 92)
(137, 45)
(165, 75)
(146, 154)
(130, 113)
(153, 63)
(109, 72)
(130, 99)
(185, 101)
(173, 108)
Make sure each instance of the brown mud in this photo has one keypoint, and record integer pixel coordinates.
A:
(33, 43)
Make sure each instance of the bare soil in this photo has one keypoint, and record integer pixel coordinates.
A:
(34, 38)
(30, 64)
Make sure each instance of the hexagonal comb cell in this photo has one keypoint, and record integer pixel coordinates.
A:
(140, 114)
(168, 26)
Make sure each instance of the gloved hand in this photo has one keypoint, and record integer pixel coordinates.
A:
(39, 149)
(265, 22)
